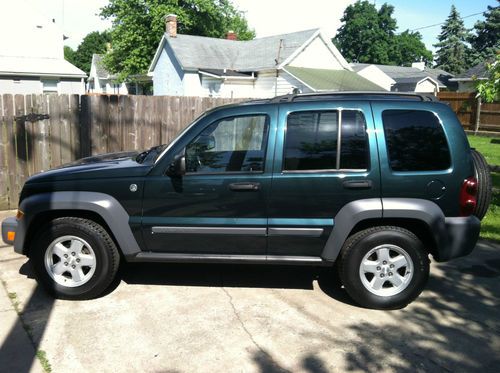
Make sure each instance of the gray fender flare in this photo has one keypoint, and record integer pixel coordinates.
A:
(107, 207)
(346, 219)
(404, 208)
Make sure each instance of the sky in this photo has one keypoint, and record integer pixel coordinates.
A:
(268, 17)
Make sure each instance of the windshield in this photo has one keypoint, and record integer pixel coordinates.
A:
(149, 156)
(166, 147)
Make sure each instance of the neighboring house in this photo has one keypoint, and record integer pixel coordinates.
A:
(305, 61)
(101, 81)
(417, 78)
(32, 55)
(467, 81)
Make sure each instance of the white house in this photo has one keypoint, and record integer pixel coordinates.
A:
(32, 54)
(305, 61)
(101, 81)
(417, 78)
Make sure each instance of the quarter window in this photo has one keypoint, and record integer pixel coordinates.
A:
(312, 141)
(415, 141)
(235, 144)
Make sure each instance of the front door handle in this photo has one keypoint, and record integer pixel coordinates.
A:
(357, 184)
(241, 187)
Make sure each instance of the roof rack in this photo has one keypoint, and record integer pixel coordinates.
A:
(343, 95)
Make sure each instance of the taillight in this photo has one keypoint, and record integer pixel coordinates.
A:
(468, 196)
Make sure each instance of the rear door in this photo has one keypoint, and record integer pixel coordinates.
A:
(325, 157)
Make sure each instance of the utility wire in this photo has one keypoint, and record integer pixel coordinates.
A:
(442, 23)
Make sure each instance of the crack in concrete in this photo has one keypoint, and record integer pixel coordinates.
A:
(247, 332)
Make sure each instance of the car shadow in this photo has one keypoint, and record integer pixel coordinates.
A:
(234, 275)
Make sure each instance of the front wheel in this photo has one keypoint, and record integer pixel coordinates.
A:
(384, 267)
(74, 258)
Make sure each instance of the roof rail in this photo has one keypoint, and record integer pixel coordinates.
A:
(348, 94)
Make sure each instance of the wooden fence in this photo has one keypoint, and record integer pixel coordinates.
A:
(69, 127)
(474, 115)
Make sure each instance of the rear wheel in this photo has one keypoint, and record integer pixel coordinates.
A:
(74, 258)
(484, 184)
(384, 267)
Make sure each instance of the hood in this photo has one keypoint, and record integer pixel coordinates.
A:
(99, 158)
(122, 164)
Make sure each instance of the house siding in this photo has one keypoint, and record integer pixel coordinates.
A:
(317, 55)
(377, 76)
(168, 75)
(34, 85)
(426, 87)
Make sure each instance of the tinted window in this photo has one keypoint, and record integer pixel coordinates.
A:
(311, 141)
(354, 144)
(236, 144)
(415, 141)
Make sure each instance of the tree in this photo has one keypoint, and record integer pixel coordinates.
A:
(69, 54)
(489, 90)
(138, 26)
(408, 47)
(94, 43)
(369, 36)
(485, 42)
(452, 49)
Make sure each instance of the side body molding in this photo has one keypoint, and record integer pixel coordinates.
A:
(110, 210)
(348, 216)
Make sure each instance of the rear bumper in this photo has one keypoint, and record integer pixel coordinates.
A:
(460, 238)
(9, 225)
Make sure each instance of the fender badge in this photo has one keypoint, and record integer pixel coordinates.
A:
(133, 187)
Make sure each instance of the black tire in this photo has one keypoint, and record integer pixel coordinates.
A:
(106, 255)
(358, 245)
(484, 184)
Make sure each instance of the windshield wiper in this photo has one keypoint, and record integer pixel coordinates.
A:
(150, 154)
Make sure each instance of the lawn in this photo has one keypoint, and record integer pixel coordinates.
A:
(490, 227)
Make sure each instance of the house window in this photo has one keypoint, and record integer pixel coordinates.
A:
(50, 86)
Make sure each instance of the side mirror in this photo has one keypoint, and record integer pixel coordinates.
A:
(178, 167)
(205, 143)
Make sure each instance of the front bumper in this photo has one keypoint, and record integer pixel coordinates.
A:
(461, 235)
(9, 229)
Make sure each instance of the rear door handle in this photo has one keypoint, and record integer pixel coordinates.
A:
(357, 184)
(241, 187)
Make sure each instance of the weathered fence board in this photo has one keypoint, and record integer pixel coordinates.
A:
(470, 113)
(79, 126)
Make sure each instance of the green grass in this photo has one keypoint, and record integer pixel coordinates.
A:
(487, 146)
(490, 226)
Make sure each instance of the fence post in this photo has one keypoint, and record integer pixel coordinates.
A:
(478, 115)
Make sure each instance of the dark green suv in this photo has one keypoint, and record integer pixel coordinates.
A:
(374, 183)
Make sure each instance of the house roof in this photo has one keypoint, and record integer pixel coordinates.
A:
(400, 73)
(100, 70)
(38, 66)
(479, 71)
(198, 52)
(332, 80)
(409, 84)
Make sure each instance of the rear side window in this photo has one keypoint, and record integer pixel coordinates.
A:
(311, 141)
(415, 141)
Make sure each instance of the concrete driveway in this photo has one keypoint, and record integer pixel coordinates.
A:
(225, 318)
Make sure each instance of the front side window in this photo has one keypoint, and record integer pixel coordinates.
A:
(235, 144)
(415, 141)
(311, 141)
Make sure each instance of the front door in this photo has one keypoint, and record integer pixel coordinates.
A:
(326, 156)
(220, 205)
